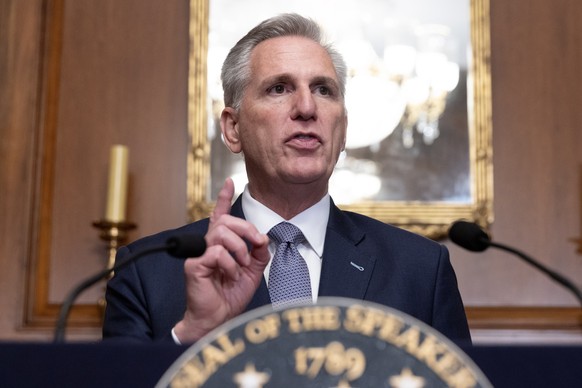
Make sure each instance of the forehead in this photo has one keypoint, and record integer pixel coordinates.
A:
(293, 55)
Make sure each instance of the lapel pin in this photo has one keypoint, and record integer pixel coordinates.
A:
(359, 267)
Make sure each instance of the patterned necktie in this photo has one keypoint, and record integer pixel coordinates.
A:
(288, 277)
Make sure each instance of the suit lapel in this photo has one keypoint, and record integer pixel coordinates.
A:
(261, 296)
(346, 268)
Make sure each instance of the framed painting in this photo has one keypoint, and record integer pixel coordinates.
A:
(418, 152)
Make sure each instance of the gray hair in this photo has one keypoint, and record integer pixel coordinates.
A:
(236, 68)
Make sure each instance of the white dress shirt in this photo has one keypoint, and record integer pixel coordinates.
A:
(312, 222)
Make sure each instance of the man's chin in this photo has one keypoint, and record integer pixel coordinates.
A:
(308, 178)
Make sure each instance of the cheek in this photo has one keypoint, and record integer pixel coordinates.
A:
(260, 131)
(255, 142)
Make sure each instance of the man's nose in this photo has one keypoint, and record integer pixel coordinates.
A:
(304, 104)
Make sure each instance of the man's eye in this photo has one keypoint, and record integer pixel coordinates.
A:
(324, 90)
(277, 89)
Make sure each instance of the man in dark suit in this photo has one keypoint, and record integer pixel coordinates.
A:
(284, 96)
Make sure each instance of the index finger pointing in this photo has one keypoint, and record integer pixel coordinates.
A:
(224, 200)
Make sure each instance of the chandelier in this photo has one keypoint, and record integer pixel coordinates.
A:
(402, 67)
(407, 86)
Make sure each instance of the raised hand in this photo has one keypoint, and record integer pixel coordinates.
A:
(220, 283)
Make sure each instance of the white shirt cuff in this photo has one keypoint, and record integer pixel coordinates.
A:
(175, 337)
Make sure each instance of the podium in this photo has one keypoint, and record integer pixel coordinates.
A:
(336, 342)
(142, 365)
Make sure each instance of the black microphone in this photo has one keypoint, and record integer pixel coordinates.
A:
(179, 245)
(471, 237)
(186, 245)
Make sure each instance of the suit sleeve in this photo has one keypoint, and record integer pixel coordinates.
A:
(448, 311)
(127, 316)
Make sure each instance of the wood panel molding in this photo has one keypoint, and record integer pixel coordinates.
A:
(525, 318)
(39, 311)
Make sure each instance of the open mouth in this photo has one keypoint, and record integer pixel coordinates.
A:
(305, 137)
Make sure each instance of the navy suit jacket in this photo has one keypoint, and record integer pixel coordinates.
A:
(363, 258)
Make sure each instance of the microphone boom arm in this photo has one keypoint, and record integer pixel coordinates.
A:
(65, 310)
(554, 275)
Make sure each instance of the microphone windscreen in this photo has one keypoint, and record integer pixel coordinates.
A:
(469, 236)
(186, 245)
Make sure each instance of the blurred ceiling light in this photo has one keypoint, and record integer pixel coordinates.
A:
(375, 107)
(426, 75)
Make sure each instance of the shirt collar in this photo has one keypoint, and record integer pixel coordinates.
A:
(312, 221)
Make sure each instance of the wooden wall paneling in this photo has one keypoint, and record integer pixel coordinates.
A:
(536, 57)
(121, 77)
(21, 34)
(40, 310)
(96, 74)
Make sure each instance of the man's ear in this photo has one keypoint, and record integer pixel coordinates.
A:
(229, 128)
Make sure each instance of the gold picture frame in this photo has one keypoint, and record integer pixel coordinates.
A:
(427, 217)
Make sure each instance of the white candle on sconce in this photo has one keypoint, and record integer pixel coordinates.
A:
(117, 189)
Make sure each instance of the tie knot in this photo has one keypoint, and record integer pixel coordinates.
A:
(286, 232)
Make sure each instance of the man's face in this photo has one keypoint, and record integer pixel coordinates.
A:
(292, 122)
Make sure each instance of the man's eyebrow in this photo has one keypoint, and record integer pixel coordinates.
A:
(326, 81)
(288, 78)
(276, 79)
(285, 78)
